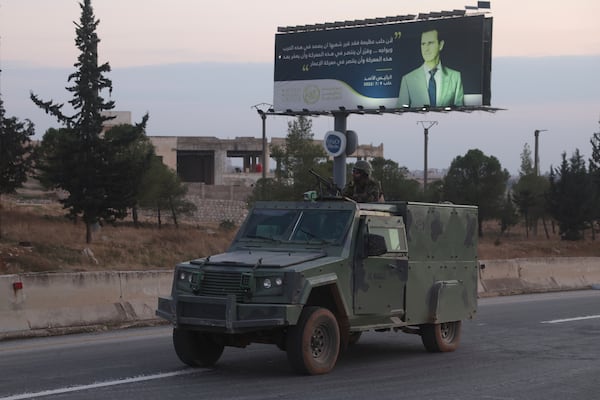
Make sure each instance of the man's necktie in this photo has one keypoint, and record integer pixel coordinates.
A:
(432, 88)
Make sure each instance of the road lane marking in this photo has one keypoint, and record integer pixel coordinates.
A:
(123, 381)
(558, 321)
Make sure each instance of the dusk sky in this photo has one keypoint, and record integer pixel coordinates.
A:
(197, 67)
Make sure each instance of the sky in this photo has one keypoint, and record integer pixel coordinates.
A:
(197, 67)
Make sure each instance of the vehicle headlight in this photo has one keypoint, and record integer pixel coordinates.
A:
(272, 282)
(185, 276)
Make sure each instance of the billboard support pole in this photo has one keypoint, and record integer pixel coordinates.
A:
(262, 109)
(339, 162)
(263, 116)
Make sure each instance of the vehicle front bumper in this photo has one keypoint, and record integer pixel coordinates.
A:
(225, 314)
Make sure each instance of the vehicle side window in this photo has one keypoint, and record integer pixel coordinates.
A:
(392, 230)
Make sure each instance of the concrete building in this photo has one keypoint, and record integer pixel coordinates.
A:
(205, 159)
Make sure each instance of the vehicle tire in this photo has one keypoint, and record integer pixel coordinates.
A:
(313, 345)
(196, 349)
(442, 337)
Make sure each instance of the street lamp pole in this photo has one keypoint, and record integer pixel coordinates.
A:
(426, 126)
(261, 108)
(536, 161)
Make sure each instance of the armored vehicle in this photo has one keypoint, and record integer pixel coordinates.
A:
(311, 276)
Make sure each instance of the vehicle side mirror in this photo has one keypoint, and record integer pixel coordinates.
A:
(375, 245)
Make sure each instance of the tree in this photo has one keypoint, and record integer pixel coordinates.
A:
(300, 155)
(293, 163)
(508, 214)
(130, 157)
(570, 196)
(161, 189)
(86, 172)
(434, 192)
(594, 168)
(393, 180)
(479, 180)
(527, 167)
(15, 152)
(529, 193)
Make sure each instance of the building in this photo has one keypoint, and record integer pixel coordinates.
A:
(206, 159)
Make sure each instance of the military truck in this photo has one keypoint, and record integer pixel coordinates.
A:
(311, 276)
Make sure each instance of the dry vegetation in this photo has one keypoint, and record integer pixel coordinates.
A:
(516, 244)
(37, 237)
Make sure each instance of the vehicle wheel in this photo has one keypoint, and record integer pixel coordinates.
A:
(196, 349)
(313, 345)
(441, 337)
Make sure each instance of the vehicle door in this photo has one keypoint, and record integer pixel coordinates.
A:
(381, 266)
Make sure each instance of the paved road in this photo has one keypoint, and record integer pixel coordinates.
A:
(544, 346)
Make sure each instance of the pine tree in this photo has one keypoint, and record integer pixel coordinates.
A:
(529, 192)
(594, 169)
(15, 152)
(526, 161)
(77, 158)
(570, 199)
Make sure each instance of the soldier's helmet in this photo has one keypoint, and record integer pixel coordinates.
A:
(364, 166)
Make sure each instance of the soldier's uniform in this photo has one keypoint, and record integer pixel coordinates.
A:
(363, 192)
(364, 189)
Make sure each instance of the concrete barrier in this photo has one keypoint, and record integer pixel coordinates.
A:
(51, 303)
(530, 275)
(38, 304)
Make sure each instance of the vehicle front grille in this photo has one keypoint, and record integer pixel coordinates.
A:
(222, 283)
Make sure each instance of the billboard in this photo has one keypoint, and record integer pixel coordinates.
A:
(437, 63)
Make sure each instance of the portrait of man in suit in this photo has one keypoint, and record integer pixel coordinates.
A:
(432, 83)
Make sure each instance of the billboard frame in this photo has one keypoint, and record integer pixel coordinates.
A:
(284, 60)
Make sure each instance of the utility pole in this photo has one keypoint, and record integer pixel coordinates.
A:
(261, 108)
(536, 161)
(426, 126)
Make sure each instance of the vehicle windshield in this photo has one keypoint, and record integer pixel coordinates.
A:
(313, 225)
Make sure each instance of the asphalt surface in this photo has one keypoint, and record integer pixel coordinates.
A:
(543, 346)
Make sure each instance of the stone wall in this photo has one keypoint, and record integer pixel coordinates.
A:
(217, 211)
(218, 203)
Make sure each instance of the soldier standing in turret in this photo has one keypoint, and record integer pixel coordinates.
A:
(362, 188)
